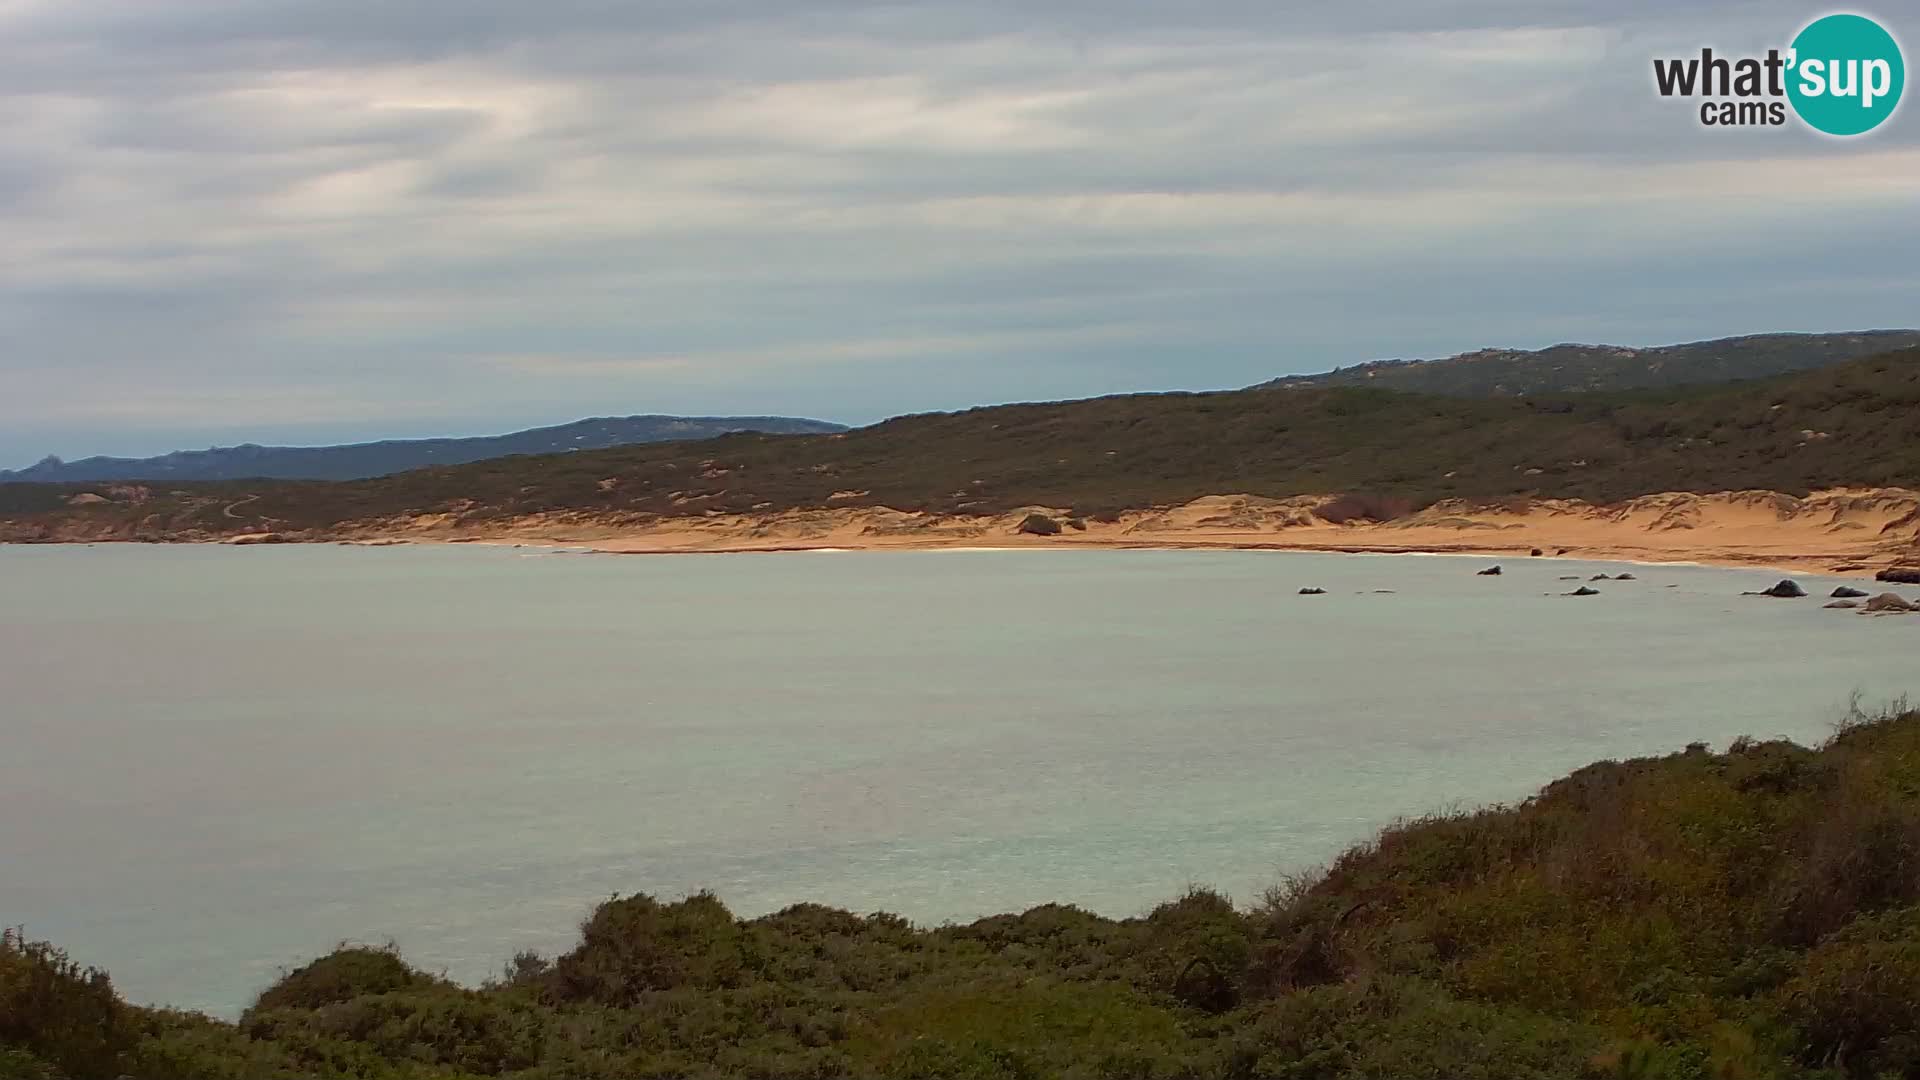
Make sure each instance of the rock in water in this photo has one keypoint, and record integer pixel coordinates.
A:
(1311, 591)
(1787, 589)
(1625, 577)
(1887, 601)
(1584, 591)
(1599, 577)
(1491, 571)
(1844, 604)
(1848, 592)
(1904, 575)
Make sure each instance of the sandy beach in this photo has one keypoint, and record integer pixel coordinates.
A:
(1848, 531)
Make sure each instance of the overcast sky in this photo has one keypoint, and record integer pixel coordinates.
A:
(293, 221)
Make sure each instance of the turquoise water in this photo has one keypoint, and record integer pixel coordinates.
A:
(218, 762)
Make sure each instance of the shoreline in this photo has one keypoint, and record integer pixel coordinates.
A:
(1847, 533)
(1788, 564)
(1841, 532)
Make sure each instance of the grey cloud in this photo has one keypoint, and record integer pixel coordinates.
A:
(417, 215)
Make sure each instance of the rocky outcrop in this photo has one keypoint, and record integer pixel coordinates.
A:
(1887, 603)
(1903, 575)
(1038, 525)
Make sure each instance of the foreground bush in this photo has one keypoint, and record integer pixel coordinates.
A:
(1753, 914)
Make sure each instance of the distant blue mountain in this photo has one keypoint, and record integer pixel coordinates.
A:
(359, 460)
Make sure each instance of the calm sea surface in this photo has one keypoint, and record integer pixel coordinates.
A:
(217, 762)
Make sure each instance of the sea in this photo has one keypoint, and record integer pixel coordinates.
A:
(219, 762)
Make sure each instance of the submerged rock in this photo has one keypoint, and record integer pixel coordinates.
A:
(1491, 571)
(1848, 592)
(1844, 604)
(1312, 591)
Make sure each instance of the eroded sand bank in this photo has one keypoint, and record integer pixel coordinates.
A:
(1843, 531)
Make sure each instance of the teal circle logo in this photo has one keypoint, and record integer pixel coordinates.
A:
(1845, 75)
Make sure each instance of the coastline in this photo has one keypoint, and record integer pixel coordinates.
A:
(1846, 532)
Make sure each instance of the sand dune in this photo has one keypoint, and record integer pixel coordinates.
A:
(1860, 530)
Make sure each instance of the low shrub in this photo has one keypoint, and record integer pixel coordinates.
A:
(633, 946)
(1348, 508)
(57, 1014)
(346, 973)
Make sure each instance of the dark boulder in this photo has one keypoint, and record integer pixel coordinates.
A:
(1491, 571)
(1311, 591)
(1848, 592)
(1786, 589)
(1903, 575)
(1038, 525)
(1584, 591)
(1625, 577)
(1536, 552)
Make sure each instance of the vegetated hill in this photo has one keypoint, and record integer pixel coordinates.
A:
(1850, 424)
(359, 460)
(1586, 368)
(1754, 914)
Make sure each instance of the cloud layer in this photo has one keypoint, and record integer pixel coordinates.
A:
(308, 221)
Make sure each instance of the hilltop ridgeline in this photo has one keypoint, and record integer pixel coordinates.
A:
(1570, 368)
(358, 461)
(1754, 913)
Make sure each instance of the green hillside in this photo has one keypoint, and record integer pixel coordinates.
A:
(1854, 424)
(1562, 369)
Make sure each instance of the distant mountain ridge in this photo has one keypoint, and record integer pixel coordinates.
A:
(1572, 368)
(359, 461)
